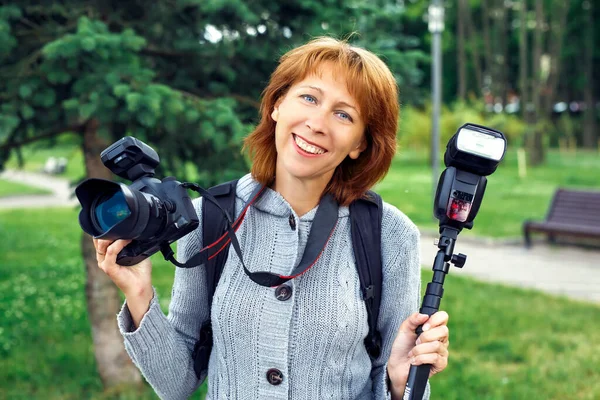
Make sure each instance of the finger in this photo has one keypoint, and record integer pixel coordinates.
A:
(437, 319)
(114, 249)
(429, 348)
(438, 361)
(410, 324)
(102, 245)
(439, 333)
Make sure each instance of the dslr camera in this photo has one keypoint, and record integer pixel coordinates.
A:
(151, 212)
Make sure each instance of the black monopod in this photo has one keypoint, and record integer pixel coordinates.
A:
(472, 153)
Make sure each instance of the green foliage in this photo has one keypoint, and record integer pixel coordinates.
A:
(169, 76)
(501, 348)
(416, 124)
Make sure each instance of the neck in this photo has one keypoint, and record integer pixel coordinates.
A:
(302, 195)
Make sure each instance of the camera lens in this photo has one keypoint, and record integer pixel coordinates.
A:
(110, 210)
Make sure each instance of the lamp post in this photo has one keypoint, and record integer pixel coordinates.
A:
(436, 27)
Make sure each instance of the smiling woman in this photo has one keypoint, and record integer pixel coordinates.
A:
(327, 134)
(351, 84)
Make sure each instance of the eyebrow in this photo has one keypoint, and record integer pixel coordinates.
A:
(318, 89)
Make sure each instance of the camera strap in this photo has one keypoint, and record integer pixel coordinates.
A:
(322, 229)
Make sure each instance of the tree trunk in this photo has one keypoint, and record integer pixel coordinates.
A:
(535, 146)
(471, 38)
(462, 62)
(590, 136)
(103, 301)
(487, 45)
(523, 63)
(556, 35)
(502, 57)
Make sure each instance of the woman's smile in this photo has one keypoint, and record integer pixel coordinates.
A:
(306, 148)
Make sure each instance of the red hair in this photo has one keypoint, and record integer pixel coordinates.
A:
(373, 86)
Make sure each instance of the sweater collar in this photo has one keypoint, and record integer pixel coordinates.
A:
(272, 202)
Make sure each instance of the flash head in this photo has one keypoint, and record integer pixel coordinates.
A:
(130, 158)
(475, 149)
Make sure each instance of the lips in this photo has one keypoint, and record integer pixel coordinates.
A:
(307, 146)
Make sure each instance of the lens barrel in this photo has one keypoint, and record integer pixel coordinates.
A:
(112, 210)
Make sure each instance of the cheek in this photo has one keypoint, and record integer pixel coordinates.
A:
(280, 136)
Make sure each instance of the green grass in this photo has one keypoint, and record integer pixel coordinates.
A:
(506, 343)
(508, 201)
(8, 188)
(45, 339)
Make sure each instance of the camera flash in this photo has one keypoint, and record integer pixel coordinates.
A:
(479, 143)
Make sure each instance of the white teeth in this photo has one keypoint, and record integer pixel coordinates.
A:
(308, 147)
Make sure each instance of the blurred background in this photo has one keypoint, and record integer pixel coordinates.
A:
(185, 76)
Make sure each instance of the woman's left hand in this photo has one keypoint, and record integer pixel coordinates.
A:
(431, 347)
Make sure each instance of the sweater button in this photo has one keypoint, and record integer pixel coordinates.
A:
(274, 376)
(292, 222)
(283, 292)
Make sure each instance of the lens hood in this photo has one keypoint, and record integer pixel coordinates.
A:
(142, 219)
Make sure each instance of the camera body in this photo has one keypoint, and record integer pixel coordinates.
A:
(151, 212)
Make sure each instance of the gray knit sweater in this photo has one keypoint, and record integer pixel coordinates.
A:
(314, 338)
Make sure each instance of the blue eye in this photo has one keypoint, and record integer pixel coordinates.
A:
(345, 116)
(309, 98)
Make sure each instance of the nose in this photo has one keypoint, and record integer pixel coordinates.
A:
(317, 122)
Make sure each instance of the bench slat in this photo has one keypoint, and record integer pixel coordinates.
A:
(573, 212)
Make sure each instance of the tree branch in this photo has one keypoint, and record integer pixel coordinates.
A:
(55, 131)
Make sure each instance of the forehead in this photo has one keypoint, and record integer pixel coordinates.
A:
(335, 80)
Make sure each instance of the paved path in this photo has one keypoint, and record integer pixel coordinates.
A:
(62, 193)
(567, 271)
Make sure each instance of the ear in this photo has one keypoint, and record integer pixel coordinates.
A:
(275, 113)
(362, 146)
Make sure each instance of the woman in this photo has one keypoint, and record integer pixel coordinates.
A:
(328, 126)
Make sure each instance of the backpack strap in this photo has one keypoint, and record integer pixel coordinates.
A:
(365, 224)
(213, 227)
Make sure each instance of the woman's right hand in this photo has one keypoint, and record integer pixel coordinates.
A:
(131, 280)
(134, 281)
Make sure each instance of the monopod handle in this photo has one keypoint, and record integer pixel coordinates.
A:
(417, 382)
(419, 374)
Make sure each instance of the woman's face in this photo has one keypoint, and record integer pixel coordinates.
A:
(318, 125)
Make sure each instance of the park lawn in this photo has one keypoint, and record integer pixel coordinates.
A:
(9, 188)
(506, 343)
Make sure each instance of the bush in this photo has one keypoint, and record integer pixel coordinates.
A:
(416, 124)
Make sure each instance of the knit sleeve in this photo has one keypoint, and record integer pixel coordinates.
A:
(162, 345)
(400, 294)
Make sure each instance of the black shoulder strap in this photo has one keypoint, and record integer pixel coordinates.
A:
(213, 227)
(365, 220)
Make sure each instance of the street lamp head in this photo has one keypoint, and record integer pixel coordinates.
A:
(436, 18)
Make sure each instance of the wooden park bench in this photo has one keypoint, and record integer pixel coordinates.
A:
(575, 213)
